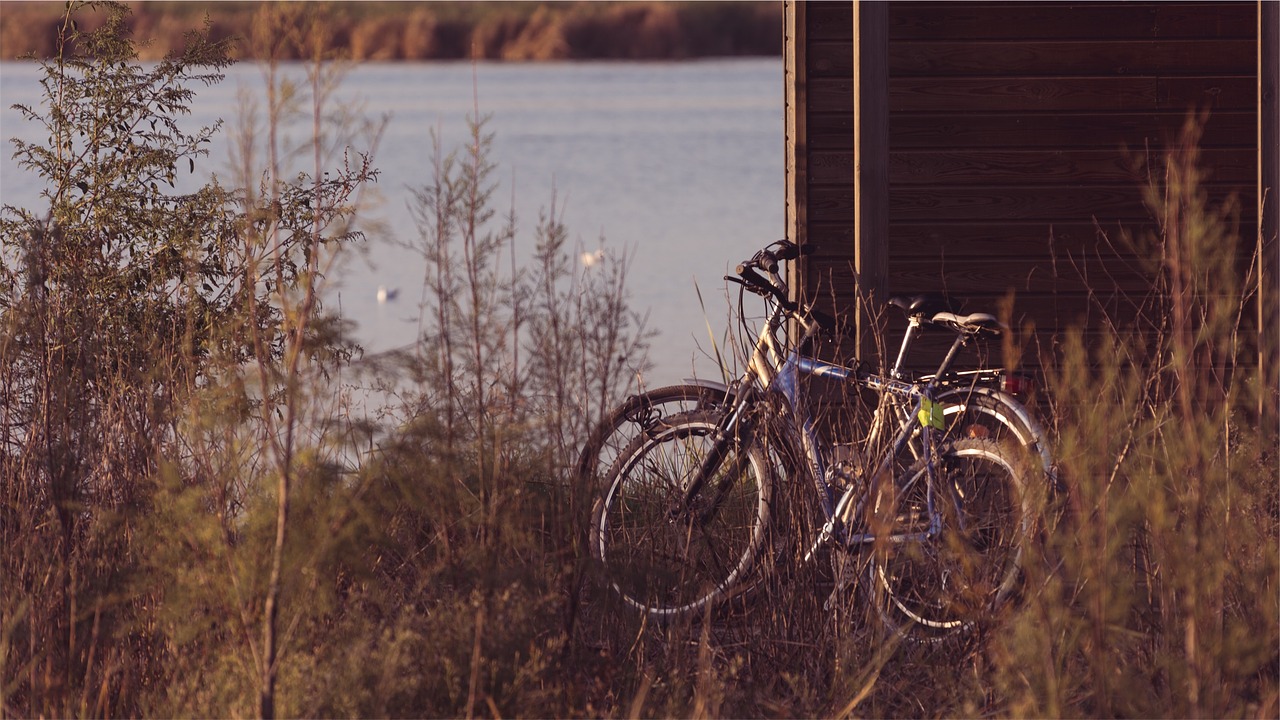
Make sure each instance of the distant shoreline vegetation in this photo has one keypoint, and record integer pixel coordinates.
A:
(391, 31)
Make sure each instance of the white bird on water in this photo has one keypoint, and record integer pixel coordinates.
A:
(589, 259)
(386, 295)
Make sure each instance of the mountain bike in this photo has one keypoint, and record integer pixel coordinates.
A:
(942, 511)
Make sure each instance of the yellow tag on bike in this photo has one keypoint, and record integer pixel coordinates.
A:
(931, 414)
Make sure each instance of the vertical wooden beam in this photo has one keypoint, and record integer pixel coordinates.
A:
(795, 96)
(1268, 193)
(871, 162)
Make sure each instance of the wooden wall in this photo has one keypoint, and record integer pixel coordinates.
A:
(1018, 142)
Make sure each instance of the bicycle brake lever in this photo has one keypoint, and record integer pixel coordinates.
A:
(747, 286)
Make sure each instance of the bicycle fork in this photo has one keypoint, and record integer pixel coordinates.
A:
(727, 435)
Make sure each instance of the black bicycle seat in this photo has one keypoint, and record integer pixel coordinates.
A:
(924, 305)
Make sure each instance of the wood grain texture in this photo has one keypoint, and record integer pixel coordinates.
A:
(1045, 58)
(1120, 21)
(1043, 167)
(1020, 138)
(1020, 94)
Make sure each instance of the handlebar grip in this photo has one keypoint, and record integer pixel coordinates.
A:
(788, 250)
(754, 278)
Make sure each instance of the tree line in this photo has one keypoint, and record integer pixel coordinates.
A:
(388, 31)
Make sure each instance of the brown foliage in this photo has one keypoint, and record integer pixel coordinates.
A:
(443, 31)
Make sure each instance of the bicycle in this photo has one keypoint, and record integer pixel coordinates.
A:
(944, 511)
(981, 402)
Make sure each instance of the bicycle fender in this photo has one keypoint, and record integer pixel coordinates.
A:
(708, 384)
(1039, 439)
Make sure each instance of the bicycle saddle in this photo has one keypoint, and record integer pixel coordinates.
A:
(942, 310)
(973, 323)
(926, 305)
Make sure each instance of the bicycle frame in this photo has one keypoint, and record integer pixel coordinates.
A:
(770, 371)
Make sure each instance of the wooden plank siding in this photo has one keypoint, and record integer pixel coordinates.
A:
(1020, 135)
(1268, 197)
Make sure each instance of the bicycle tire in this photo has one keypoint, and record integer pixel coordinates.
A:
(667, 559)
(935, 582)
(634, 416)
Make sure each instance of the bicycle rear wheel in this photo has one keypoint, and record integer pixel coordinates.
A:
(668, 550)
(979, 413)
(953, 552)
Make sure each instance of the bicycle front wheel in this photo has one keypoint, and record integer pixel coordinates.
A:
(672, 536)
(952, 553)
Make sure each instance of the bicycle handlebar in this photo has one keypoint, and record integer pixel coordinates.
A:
(768, 259)
(756, 281)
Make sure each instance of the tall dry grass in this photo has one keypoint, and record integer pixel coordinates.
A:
(196, 523)
(1158, 590)
(1151, 588)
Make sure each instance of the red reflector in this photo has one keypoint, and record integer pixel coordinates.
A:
(1016, 384)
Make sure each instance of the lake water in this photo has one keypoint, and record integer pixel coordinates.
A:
(679, 165)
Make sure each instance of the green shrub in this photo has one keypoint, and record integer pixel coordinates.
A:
(1159, 593)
